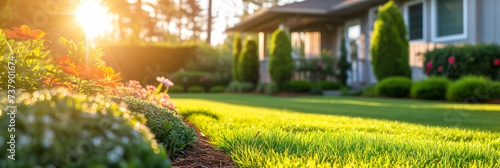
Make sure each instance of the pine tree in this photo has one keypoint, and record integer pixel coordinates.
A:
(281, 63)
(248, 63)
(389, 45)
(236, 55)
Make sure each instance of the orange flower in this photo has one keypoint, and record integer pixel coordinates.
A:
(24, 33)
(55, 82)
(67, 65)
(90, 73)
(109, 78)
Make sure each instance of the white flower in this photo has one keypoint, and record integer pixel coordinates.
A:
(96, 141)
(47, 138)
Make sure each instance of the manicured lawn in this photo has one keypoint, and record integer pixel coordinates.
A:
(340, 131)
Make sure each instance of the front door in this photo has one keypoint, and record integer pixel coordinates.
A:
(353, 34)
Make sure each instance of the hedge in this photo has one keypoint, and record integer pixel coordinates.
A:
(394, 87)
(433, 88)
(472, 88)
(196, 89)
(300, 86)
(217, 89)
(329, 85)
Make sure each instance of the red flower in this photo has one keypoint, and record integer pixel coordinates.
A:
(440, 69)
(23, 33)
(320, 64)
(428, 71)
(451, 60)
(429, 65)
(496, 62)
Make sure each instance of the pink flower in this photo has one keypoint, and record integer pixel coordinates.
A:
(320, 64)
(496, 62)
(165, 81)
(335, 66)
(151, 88)
(451, 60)
(440, 69)
(201, 79)
(429, 65)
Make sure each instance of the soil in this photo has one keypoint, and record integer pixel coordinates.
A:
(202, 154)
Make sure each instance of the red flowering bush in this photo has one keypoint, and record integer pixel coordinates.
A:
(454, 62)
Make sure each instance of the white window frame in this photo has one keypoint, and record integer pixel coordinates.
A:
(424, 19)
(446, 38)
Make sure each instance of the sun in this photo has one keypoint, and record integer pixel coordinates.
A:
(93, 18)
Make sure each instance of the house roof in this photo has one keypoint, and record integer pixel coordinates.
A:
(308, 11)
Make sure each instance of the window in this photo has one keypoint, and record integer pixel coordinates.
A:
(416, 21)
(449, 19)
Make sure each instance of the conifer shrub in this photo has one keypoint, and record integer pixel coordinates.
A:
(389, 45)
(280, 62)
(236, 56)
(248, 64)
(344, 66)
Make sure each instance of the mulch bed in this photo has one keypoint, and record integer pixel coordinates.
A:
(202, 154)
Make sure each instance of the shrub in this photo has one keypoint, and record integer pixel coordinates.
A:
(192, 78)
(394, 87)
(495, 90)
(345, 91)
(271, 88)
(54, 129)
(470, 88)
(299, 86)
(168, 128)
(233, 86)
(389, 49)
(236, 56)
(433, 88)
(196, 89)
(261, 87)
(248, 65)
(217, 89)
(343, 65)
(151, 93)
(329, 85)
(318, 68)
(280, 62)
(176, 89)
(246, 87)
(369, 91)
(454, 62)
(316, 90)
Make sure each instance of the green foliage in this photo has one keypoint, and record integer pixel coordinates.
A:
(54, 129)
(197, 78)
(454, 62)
(211, 59)
(319, 68)
(433, 88)
(471, 88)
(217, 89)
(240, 87)
(30, 60)
(236, 56)
(344, 66)
(329, 85)
(271, 88)
(394, 87)
(389, 46)
(248, 63)
(346, 91)
(299, 86)
(168, 128)
(281, 64)
(261, 87)
(176, 89)
(369, 91)
(316, 90)
(495, 90)
(196, 89)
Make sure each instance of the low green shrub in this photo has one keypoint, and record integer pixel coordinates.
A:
(433, 88)
(196, 89)
(471, 88)
(346, 91)
(169, 129)
(246, 87)
(261, 87)
(369, 91)
(271, 88)
(203, 79)
(299, 86)
(54, 129)
(394, 87)
(176, 89)
(496, 90)
(217, 89)
(233, 86)
(316, 90)
(329, 85)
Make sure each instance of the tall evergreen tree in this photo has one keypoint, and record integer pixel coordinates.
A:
(389, 45)
(343, 65)
(236, 55)
(248, 63)
(281, 63)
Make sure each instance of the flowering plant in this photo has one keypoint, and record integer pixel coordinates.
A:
(153, 94)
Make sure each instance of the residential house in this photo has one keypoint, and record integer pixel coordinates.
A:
(322, 24)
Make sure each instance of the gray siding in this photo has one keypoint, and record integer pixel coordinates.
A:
(489, 21)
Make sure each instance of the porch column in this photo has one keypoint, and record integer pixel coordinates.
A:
(262, 46)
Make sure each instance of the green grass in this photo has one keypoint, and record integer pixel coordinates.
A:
(264, 131)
